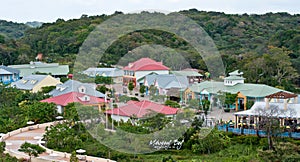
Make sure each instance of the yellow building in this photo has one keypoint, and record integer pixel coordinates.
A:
(34, 83)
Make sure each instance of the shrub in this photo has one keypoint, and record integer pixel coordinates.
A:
(172, 103)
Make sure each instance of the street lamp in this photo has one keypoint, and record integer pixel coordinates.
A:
(30, 123)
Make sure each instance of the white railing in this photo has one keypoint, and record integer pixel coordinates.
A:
(48, 151)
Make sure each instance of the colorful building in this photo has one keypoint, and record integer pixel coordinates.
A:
(192, 75)
(282, 106)
(136, 71)
(76, 86)
(164, 82)
(53, 69)
(63, 100)
(139, 109)
(35, 83)
(234, 84)
(8, 74)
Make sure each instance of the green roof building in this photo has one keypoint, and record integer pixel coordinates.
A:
(233, 84)
(53, 69)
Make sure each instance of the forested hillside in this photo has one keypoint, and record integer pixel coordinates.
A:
(12, 30)
(265, 47)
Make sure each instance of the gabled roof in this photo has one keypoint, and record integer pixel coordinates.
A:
(140, 109)
(5, 72)
(282, 95)
(9, 69)
(34, 67)
(145, 64)
(71, 97)
(167, 81)
(73, 86)
(28, 82)
(109, 72)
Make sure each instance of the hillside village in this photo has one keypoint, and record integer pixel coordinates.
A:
(145, 108)
(146, 86)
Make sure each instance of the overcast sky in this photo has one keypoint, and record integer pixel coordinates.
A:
(51, 10)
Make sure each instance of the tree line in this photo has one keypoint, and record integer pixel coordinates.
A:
(265, 47)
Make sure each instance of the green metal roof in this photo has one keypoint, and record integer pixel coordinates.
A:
(247, 89)
(53, 68)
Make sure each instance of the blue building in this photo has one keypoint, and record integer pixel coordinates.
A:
(8, 75)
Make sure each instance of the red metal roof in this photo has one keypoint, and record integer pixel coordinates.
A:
(145, 64)
(142, 108)
(70, 97)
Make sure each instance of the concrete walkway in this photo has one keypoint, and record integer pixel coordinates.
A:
(33, 134)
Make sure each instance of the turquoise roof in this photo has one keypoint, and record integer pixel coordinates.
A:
(34, 67)
(247, 89)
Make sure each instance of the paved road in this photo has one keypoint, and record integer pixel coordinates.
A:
(14, 142)
(32, 136)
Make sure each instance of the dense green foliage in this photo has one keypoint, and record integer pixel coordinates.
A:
(103, 80)
(31, 149)
(142, 89)
(12, 30)
(130, 86)
(5, 157)
(48, 89)
(172, 103)
(198, 146)
(262, 42)
(18, 107)
(40, 112)
(125, 98)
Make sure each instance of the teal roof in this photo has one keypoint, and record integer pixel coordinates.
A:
(34, 67)
(186, 73)
(247, 89)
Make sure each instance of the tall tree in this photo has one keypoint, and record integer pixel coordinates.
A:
(40, 112)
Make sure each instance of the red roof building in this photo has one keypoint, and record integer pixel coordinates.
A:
(139, 109)
(142, 67)
(145, 64)
(65, 99)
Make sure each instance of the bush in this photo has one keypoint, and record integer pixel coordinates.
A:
(134, 99)
(125, 98)
(172, 104)
(248, 140)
